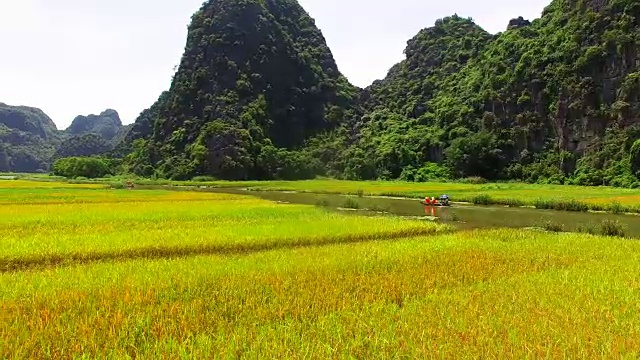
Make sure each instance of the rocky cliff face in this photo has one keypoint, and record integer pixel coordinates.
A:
(518, 23)
(560, 84)
(28, 120)
(107, 125)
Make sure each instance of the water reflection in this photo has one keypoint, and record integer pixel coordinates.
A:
(431, 211)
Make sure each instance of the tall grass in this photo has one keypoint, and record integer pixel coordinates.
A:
(351, 203)
(612, 228)
(561, 205)
(482, 200)
(553, 226)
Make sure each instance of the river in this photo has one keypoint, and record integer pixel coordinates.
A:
(463, 216)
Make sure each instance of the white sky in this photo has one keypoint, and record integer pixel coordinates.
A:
(72, 57)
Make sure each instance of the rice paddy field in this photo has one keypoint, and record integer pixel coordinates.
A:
(90, 272)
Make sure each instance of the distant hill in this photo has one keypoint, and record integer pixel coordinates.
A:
(92, 135)
(107, 125)
(30, 140)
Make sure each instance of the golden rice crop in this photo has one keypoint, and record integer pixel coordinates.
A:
(121, 224)
(101, 273)
(480, 294)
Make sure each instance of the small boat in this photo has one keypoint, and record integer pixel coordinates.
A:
(441, 201)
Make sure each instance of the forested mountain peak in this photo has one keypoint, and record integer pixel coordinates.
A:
(27, 138)
(432, 55)
(552, 100)
(255, 81)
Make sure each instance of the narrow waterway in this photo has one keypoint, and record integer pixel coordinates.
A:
(462, 216)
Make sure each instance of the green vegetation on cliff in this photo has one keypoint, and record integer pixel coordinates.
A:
(555, 100)
(82, 145)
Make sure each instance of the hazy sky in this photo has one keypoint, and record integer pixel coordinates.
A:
(71, 57)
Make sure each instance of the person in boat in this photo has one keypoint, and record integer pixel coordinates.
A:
(444, 200)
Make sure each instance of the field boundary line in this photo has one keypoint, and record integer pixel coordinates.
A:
(18, 264)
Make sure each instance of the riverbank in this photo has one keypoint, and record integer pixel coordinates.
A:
(548, 197)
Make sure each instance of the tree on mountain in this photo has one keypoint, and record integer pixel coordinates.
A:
(5, 160)
(475, 155)
(635, 158)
